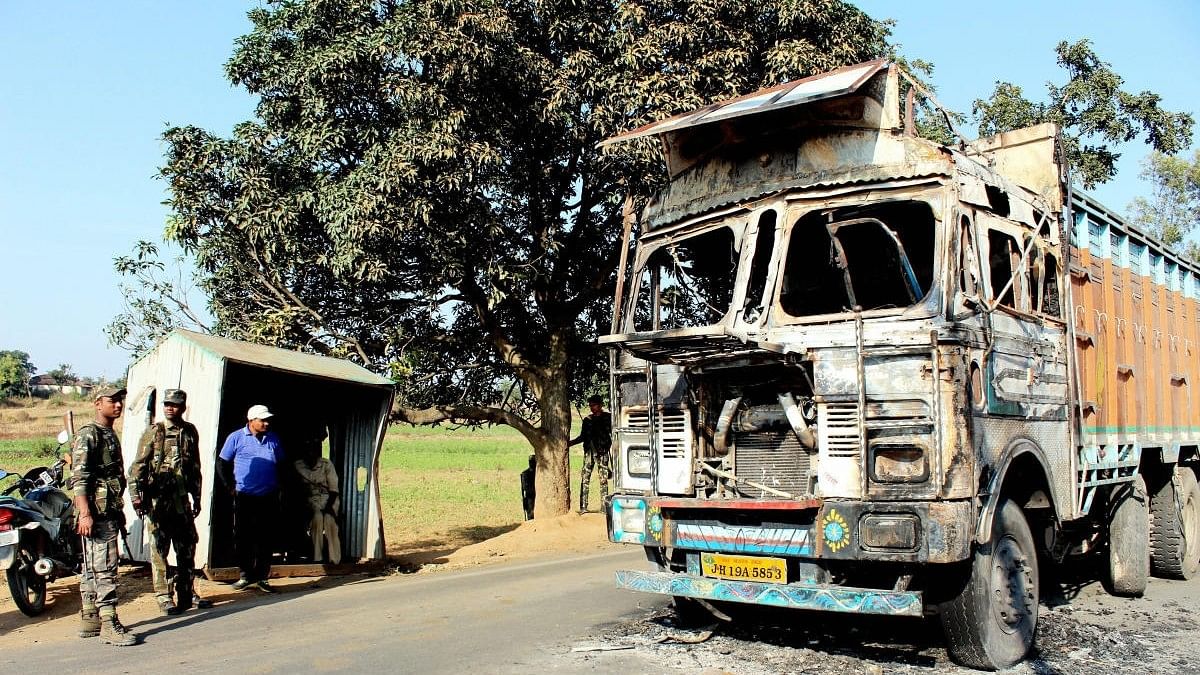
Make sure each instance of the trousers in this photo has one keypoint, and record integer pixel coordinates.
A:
(255, 520)
(166, 532)
(600, 462)
(98, 585)
(324, 530)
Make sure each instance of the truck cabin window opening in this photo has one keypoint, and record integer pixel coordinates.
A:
(875, 257)
(688, 282)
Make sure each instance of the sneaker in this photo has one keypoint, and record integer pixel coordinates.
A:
(200, 603)
(241, 584)
(265, 587)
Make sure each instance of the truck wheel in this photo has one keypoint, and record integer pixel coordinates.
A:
(1175, 528)
(1128, 543)
(991, 621)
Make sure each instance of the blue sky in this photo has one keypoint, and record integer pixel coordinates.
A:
(88, 89)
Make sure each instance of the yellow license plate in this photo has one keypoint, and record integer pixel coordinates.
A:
(744, 568)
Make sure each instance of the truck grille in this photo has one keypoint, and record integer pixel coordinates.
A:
(838, 429)
(673, 436)
(773, 458)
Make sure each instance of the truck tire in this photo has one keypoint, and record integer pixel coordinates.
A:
(1175, 527)
(1128, 541)
(991, 621)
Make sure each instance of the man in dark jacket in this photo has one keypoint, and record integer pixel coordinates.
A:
(596, 436)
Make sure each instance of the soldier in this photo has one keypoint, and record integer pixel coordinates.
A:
(98, 487)
(596, 436)
(163, 475)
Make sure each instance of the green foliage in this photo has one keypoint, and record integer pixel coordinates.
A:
(15, 371)
(1173, 209)
(421, 190)
(1093, 111)
(155, 298)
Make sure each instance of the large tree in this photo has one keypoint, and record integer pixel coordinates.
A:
(421, 189)
(1094, 112)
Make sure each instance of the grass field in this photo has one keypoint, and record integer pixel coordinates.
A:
(439, 487)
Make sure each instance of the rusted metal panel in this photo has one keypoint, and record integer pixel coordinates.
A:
(798, 92)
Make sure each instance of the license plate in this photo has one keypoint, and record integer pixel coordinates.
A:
(744, 568)
(10, 537)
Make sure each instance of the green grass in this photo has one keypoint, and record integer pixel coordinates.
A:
(20, 455)
(438, 486)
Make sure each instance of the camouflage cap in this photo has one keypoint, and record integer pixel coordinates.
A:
(176, 396)
(108, 392)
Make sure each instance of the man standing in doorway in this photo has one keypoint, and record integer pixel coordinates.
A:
(98, 488)
(250, 462)
(164, 474)
(596, 436)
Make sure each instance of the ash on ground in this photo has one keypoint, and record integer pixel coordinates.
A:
(1138, 639)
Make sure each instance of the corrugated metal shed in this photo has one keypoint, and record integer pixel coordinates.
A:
(283, 359)
(223, 378)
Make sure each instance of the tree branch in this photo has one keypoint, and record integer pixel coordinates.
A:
(469, 413)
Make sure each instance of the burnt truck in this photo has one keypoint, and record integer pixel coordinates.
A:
(854, 370)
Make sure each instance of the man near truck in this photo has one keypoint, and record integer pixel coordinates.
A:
(98, 486)
(596, 436)
(164, 474)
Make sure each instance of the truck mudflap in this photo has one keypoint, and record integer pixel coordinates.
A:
(818, 597)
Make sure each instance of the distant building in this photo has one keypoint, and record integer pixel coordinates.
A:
(44, 385)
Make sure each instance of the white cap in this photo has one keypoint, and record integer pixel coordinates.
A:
(258, 412)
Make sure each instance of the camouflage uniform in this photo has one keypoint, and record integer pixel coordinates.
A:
(597, 439)
(164, 473)
(96, 465)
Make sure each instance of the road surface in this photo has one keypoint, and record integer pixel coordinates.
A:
(501, 618)
(563, 615)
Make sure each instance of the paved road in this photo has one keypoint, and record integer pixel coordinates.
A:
(504, 618)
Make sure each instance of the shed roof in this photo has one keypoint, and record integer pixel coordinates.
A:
(282, 359)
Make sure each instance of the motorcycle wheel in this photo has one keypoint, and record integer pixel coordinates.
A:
(28, 588)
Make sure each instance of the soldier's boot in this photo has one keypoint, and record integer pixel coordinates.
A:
(111, 630)
(89, 622)
(167, 606)
(183, 592)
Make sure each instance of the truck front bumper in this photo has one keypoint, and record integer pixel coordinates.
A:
(797, 596)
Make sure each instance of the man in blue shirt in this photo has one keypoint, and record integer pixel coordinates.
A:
(250, 461)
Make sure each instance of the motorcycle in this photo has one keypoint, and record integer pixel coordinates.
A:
(38, 543)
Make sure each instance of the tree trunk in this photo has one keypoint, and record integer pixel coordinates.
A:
(553, 478)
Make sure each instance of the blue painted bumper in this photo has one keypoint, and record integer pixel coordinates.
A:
(796, 596)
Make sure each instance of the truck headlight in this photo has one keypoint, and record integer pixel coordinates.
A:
(899, 463)
(637, 461)
(628, 520)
